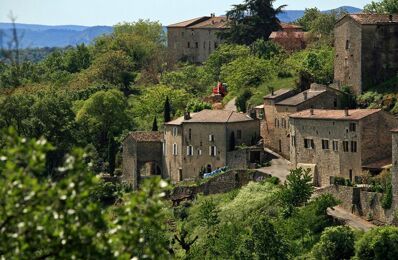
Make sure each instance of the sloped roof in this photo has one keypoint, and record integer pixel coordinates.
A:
(146, 136)
(278, 93)
(369, 19)
(300, 98)
(213, 116)
(353, 114)
(189, 22)
(204, 22)
(217, 22)
(290, 26)
(295, 35)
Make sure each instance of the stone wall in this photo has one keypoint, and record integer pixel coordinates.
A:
(362, 203)
(219, 184)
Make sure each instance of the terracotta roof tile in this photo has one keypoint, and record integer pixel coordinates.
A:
(189, 22)
(147, 136)
(374, 18)
(213, 116)
(353, 114)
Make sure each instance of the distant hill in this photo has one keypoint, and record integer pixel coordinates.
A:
(40, 36)
(289, 16)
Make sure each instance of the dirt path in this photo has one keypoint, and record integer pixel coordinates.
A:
(350, 219)
(280, 167)
(231, 105)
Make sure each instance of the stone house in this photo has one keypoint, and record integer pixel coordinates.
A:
(208, 140)
(366, 49)
(340, 143)
(291, 37)
(194, 40)
(142, 157)
(280, 104)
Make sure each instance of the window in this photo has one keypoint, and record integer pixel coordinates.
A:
(276, 123)
(335, 145)
(293, 140)
(347, 44)
(309, 143)
(189, 45)
(190, 134)
(211, 138)
(283, 123)
(204, 45)
(175, 131)
(175, 149)
(213, 150)
(190, 150)
(199, 152)
(196, 45)
(325, 144)
(353, 146)
(353, 127)
(239, 134)
(215, 45)
(345, 146)
(350, 174)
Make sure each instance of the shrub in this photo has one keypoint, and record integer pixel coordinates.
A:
(378, 243)
(335, 243)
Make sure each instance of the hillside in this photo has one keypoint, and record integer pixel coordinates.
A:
(292, 15)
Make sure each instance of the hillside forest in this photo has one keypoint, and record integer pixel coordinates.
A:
(65, 112)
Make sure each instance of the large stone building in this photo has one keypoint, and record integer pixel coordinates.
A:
(366, 48)
(280, 104)
(340, 143)
(194, 40)
(207, 140)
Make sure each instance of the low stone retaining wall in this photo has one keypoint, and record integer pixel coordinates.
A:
(218, 184)
(363, 203)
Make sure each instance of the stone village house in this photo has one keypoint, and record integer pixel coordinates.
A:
(340, 143)
(366, 49)
(280, 104)
(191, 145)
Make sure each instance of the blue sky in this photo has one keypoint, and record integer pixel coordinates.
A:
(110, 12)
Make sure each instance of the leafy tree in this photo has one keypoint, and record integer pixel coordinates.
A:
(252, 20)
(195, 105)
(310, 15)
(335, 243)
(298, 187)
(153, 31)
(104, 117)
(241, 100)
(378, 243)
(208, 214)
(246, 72)
(77, 59)
(155, 125)
(382, 7)
(266, 49)
(223, 55)
(113, 67)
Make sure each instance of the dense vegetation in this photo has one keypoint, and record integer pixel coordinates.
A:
(54, 205)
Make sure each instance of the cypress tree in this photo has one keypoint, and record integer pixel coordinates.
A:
(167, 110)
(155, 125)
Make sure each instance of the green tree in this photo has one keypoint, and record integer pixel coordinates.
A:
(378, 243)
(167, 110)
(77, 59)
(241, 100)
(259, 24)
(155, 124)
(382, 7)
(310, 15)
(103, 117)
(298, 187)
(335, 243)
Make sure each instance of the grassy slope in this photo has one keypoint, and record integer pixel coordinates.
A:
(262, 90)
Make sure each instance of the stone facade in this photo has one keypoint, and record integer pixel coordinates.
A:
(339, 143)
(201, 142)
(282, 103)
(394, 169)
(196, 39)
(366, 49)
(142, 156)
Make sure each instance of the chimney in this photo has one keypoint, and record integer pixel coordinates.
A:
(187, 115)
(311, 111)
(305, 95)
(346, 112)
(390, 16)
